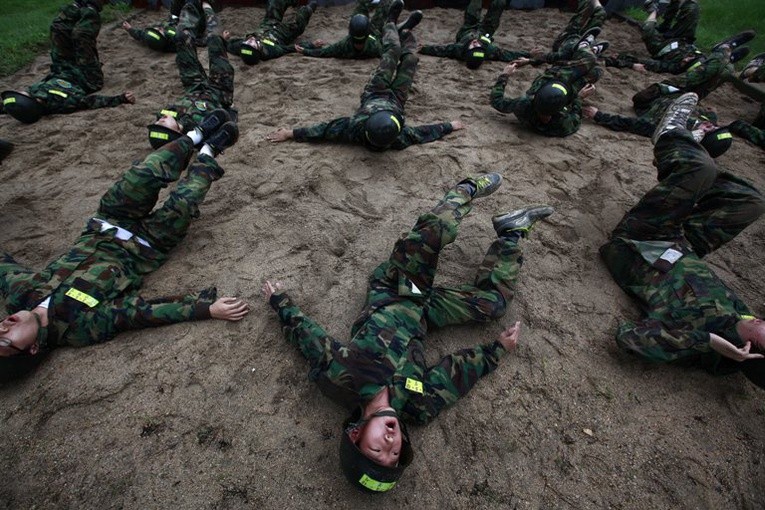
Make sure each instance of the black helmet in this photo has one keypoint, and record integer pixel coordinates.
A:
(381, 129)
(22, 107)
(474, 57)
(717, 142)
(15, 367)
(156, 40)
(364, 473)
(551, 98)
(160, 135)
(754, 370)
(250, 55)
(358, 28)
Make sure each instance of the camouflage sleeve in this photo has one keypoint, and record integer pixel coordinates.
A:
(571, 120)
(104, 322)
(636, 125)
(670, 13)
(445, 50)
(498, 100)
(421, 134)
(95, 101)
(652, 340)
(748, 132)
(302, 332)
(662, 66)
(336, 130)
(455, 375)
(335, 50)
(137, 33)
(685, 22)
(508, 55)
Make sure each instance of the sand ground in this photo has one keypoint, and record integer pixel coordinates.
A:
(214, 415)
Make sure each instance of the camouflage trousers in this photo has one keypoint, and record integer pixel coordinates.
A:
(129, 203)
(275, 9)
(398, 64)
(485, 25)
(583, 69)
(74, 55)
(286, 32)
(749, 132)
(653, 39)
(695, 200)
(583, 20)
(194, 22)
(220, 82)
(415, 258)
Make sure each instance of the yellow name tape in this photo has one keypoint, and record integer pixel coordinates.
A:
(395, 120)
(414, 385)
(269, 42)
(485, 39)
(478, 54)
(154, 35)
(158, 135)
(724, 136)
(82, 297)
(246, 52)
(58, 93)
(9, 100)
(374, 485)
(694, 66)
(561, 88)
(747, 317)
(169, 113)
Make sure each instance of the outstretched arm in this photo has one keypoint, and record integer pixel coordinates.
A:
(334, 130)
(498, 100)
(425, 134)
(95, 101)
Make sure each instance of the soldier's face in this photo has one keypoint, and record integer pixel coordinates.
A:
(380, 440)
(169, 122)
(254, 42)
(18, 333)
(475, 43)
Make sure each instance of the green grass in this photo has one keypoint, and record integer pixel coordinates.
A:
(719, 19)
(24, 29)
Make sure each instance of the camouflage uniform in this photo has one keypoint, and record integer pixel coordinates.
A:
(344, 48)
(586, 18)
(387, 346)
(702, 78)
(748, 132)
(203, 93)
(655, 255)
(75, 70)
(276, 36)
(575, 75)
(477, 28)
(93, 287)
(168, 28)
(387, 90)
(645, 124)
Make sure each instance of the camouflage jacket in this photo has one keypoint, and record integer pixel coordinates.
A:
(563, 123)
(645, 124)
(386, 352)
(673, 62)
(93, 291)
(683, 302)
(457, 51)
(166, 27)
(190, 109)
(748, 132)
(344, 49)
(63, 96)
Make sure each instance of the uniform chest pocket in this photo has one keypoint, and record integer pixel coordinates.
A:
(699, 286)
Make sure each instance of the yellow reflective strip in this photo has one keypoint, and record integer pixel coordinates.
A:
(374, 485)
(394, 119)
(154, 35)
(269, 42)
(246, 52)
(82, 297)
(159, 135)
(747, 317)
(485, 39)
(724, 136)
(169, 113)
(414, 385)
(372, 37)
(9, 100)
(171, 31)
(58, 93)
(694, 66)
(478, 54)
(561, 88)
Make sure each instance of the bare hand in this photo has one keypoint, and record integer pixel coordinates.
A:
(126, 25)
(537, 53)
(510, 68)
(457, 125)
(298, 48)
(638, 67)
(727, 349)
(587, 90)
(269, 289)
(280, 135)
(509, 337)
(229, 309)
(520, 62)
(129, 97)
(589, 111)
(319, 43)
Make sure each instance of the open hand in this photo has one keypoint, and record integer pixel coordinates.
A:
(280, 135)
(509, 337)
(457, 125)
(587, 90)
(589, 111)
(129, 97)
(126, 25)
(229, 309)
(268, 289)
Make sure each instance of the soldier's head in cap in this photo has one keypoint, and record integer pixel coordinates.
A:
(22, 107)
(358, 30)
(251, 50)
(475, 52)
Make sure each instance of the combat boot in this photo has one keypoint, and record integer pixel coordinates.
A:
(520, 221)
(212, 122)
(410, 22)
(735, 41)
(676, 116)
(223, 138)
